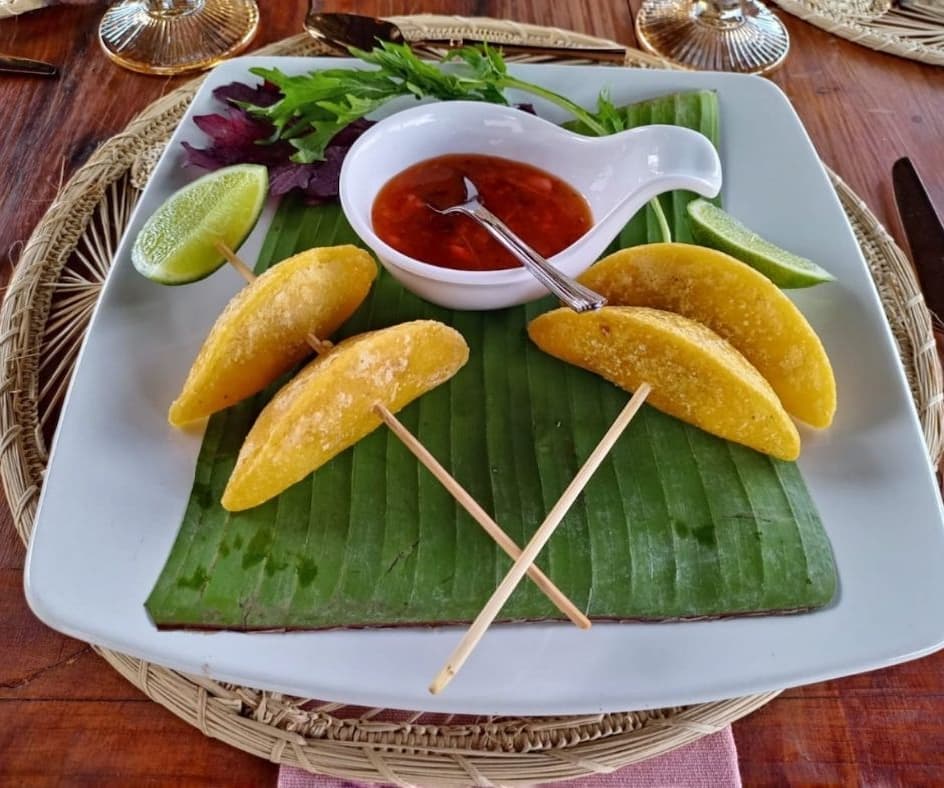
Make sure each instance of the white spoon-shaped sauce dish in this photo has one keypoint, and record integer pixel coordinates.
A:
(617, 175)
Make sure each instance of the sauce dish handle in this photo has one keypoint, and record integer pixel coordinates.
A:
(656, 159)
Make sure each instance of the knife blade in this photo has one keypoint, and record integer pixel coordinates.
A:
(354, 30)
(924, 231)
(22, 65)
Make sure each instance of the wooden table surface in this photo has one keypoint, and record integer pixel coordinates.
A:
(65, 716)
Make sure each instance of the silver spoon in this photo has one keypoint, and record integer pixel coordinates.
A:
(571, 292)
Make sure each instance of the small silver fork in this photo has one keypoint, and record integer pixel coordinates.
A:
(571, 292)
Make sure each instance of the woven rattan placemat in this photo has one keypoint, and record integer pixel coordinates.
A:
(45, 312)
(878, 24)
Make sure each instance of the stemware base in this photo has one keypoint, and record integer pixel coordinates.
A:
(175, 36)
(748, 39)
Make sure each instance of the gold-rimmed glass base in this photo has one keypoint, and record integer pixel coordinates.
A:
(175, 36)
(742, 36)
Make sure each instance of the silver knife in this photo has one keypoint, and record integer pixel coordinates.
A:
(22, 65)
(363, 32)
(924, 230)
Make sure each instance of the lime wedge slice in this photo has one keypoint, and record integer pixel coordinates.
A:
(177, 244)
(713, 227)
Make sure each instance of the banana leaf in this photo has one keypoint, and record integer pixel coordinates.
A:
(676, 523)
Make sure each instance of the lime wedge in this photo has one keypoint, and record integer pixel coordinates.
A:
(177, 244)
(713, 227)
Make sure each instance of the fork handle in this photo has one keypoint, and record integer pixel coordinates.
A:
(571, 292)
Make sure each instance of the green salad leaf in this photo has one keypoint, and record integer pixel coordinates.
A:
(314, 107)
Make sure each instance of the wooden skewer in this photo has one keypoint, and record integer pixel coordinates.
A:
(236, 261)
(492, 528)
(458, 492)
(540, 538)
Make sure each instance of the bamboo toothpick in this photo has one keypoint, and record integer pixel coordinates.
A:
(498, 599)
(236, 261)
(463, 498)
(477, 513)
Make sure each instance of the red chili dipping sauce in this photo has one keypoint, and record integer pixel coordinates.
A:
(542, 209)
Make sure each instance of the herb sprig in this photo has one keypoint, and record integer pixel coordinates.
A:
(314, 107)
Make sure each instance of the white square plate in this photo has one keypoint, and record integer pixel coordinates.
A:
(119, 477)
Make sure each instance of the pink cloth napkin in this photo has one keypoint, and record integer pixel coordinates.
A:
(709, 762)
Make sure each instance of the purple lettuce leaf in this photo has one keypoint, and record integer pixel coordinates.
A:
(264, 94)
(238, 137)
(320, 180)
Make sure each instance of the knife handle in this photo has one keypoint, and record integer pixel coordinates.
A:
(22, 65)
